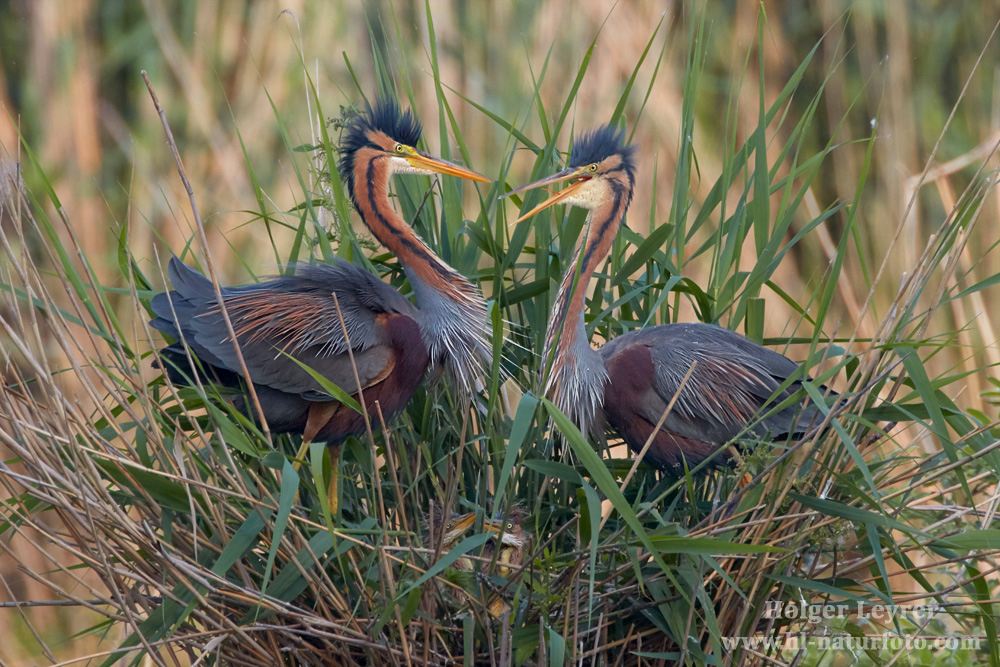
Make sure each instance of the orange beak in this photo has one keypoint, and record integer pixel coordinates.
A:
(495, 526)
(463, 522)
(422, 160)
(577, 176)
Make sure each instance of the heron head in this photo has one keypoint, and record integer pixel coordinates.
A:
(384, 131)
(511, 529)
(601, 161)
(457, 526)
(451, 530)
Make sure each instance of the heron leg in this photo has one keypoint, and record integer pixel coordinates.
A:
(331, 489)
(319, 416)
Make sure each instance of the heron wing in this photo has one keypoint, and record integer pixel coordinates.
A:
(733, 379)
(288, 319)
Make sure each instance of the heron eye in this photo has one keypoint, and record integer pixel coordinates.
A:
(400, 148)
(447, 526)
(593, 167)
(510, 526)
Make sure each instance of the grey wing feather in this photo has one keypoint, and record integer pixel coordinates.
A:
(733, 379)
(185, 302)
(292, 315)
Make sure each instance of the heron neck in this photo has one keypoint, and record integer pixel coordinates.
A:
(386, 225)
(453, 313)
(570, 307)
(577, 378)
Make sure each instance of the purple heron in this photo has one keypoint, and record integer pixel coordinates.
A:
(630, 381)
(292, 321)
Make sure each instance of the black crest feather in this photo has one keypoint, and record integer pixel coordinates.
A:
(386, 117)
(602, 142)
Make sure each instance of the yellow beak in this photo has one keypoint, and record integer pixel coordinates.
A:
(577, 175)
(422, 160)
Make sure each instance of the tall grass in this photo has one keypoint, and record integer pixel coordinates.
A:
(177, 525)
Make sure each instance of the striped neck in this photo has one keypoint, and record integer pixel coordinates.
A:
(452, 311)
(577, 378)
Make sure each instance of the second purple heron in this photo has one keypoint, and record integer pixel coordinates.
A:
(735, 385)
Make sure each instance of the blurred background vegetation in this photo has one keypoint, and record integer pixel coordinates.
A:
(70, 85)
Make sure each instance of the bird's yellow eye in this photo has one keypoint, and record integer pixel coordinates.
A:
(400, 148)
(447, 526)
(593, 167)
(510, 526)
